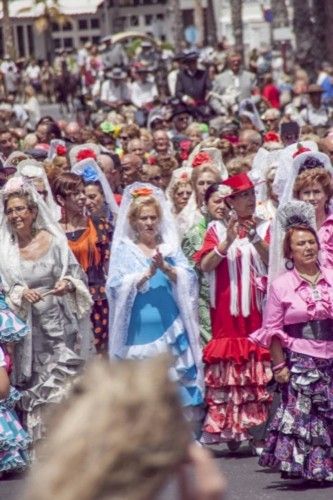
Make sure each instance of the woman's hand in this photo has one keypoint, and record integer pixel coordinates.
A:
(31, 296)
(282, 376)
(232, 228)
(61, 288)
(158, 260)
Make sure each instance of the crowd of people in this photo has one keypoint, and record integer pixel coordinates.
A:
(194, 220)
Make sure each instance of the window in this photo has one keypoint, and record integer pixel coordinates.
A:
(55, 27)
(30, 39)
(84, 39)
(148, 19)
(134, 21)
(57, 43)
(68, 42)
(94, 23)
(20, 40)
(83, 24)
(160, 17)
(67, 27)
(95, 40)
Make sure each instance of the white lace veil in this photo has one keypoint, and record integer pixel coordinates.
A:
(297, 163)
(285, 166)
(90, 170)
(32, 169)
(216, 159)
(288, 214)
(123, 228)
(9, 251)
(263, 161)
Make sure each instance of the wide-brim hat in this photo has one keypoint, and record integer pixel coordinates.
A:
(300, 158)
(239, 183)
(144, 67)
(314, 89)
(189, 55)
(179, 109)
(116, 74)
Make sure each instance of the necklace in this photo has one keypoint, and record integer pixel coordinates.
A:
(311, 279)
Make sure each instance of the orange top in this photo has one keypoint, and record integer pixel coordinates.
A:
(85, 247)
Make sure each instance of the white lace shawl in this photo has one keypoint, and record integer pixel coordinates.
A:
(128, 265)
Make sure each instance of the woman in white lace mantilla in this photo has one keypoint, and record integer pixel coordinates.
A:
(44, 285)
(153, 292)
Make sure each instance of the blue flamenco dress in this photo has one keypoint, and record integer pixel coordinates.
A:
(14, 440)
(155, 326)
(154, 320)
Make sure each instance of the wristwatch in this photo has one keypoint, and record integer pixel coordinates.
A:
(253, 236)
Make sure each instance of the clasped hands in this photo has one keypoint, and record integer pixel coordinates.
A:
(61, 288)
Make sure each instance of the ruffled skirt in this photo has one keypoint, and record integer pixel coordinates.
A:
(14, 441)
(12, 328)
(236, 394)
(184, 371)
(301, 433)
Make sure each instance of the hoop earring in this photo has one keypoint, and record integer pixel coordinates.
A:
(327, 207)
(289, 264)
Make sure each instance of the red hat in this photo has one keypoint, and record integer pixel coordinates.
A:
(239, 183)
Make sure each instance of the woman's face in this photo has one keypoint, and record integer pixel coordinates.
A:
(195, 138)
(304, 249)
(40, 187)
(19, 215)
(315, 195)
(181, 196)
(244, 203)
(204, 180)
(75, 202)
(216, 206)
(147, 223)
(269, 182)
(62, 164)
(94, 199)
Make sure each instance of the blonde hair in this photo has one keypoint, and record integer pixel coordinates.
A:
(203, 169)
(138, 204)
(120, 435)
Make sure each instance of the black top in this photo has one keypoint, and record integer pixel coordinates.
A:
(195, 86)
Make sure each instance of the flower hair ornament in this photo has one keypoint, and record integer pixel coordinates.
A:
(86, 153)
(83, 151)
(109, 128)
(89, 173)
(200, 159)
(140, 192)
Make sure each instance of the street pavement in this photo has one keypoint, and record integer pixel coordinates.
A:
(246, 481)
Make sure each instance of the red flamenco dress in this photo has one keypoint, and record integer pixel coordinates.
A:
(236, 370)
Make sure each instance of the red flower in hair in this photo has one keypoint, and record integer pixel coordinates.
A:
(61, 150)
(301, 149)
(201, 158)
(85, 153)
(185, 145)
(271, 137)
(152, 160)
(183, 155)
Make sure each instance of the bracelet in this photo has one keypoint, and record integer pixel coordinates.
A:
(70, 286)
(217, 252)
(279, 367)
